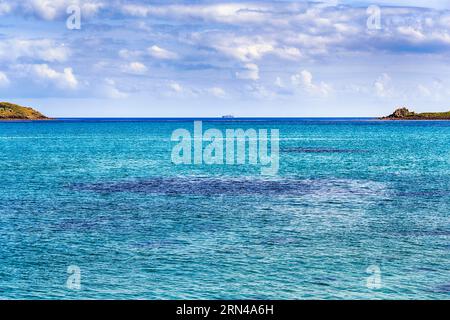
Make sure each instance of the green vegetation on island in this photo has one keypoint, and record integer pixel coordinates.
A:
(10, 111)
(405, 114)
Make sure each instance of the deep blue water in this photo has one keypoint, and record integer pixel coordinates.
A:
(103, 195)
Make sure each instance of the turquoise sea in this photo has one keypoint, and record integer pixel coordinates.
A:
(103, 195)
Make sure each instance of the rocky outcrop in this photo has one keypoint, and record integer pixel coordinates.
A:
(400, 113)
(10, 111)
(405, 114)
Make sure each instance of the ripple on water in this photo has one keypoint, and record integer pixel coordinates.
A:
(201, 186)
(320, 150)
(158, 244)
(423, 233)
(442, 288)
(77, 225)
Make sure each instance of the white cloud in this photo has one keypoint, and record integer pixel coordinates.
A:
(109, 90)
(176, 87)
(42, 73)
(160, 53)
(232, 38)
(65, 79)
(305, 80)
(243, 48)
(435, 90)
(136, 10)
(55, 9)
(4, 81)
(47, 10)
(383, 86)
(137, 68)
(183, 91)
(293, 32)
(259, 91)
(217, 92)
(129, 54)
(5, 8)
(250, 72)
(279, 82)
(223, 12)
(411, 33)
(423, 90)
(438, 4)
(246, 48)
(45, 50)
(290, 53)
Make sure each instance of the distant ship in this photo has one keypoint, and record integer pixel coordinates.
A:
(228, 116)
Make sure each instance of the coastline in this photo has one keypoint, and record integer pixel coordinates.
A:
(244, 119)
(220, 119)
(403, 113)
(27, 120)
(415, 119)
(368, 119)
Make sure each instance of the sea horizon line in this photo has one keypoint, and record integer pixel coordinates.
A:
(187, 118)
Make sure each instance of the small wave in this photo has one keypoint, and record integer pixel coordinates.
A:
(424, 233)
(201, 186)
(442, 288)
(157, 244)
(432, 193)
(76, 225)
(320, 150)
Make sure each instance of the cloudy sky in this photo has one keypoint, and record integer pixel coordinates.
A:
(211, 58)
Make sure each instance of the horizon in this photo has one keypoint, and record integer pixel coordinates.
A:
(90, 58)
(229, 117)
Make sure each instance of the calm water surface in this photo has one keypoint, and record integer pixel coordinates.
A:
(104, 195)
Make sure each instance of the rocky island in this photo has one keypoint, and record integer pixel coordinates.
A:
(405, 114)
(10, 111)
